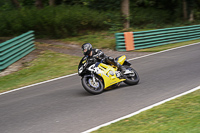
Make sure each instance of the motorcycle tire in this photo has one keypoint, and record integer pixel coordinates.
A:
(90, 88)
(131, 79)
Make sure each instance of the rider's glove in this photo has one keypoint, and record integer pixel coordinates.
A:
(96, 56)
(92, 60)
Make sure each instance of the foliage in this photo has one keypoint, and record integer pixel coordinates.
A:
(70, 17)
(5, 5)
(113, 5)
(56, 22)
(144, 16)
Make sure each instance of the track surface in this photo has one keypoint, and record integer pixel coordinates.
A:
(62, 106)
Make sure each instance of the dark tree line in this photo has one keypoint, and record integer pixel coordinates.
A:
(187, 7)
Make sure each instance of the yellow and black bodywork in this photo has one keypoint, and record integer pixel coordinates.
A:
(97, 76)
(108, 73)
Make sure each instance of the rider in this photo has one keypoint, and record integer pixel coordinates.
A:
(98, 54)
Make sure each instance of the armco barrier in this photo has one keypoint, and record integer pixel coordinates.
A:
(151, 38)
(16, 48)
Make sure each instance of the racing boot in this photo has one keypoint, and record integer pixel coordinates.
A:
(121, 67)
(111, 60)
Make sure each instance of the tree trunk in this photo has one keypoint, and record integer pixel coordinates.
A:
(190, 10)
(125, 13)
(191, 16)
(15, 3)
(39, 4)
(52, 2)
(185, 16)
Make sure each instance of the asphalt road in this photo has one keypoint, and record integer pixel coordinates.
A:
(63, 106)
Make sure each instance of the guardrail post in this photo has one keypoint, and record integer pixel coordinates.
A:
(152, 38)
(129, 41)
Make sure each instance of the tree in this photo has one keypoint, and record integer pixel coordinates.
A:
(39, 4)
(185, 10)
(125, 13)
(188, 13)
(15, 3)
(52, 2)
(191, 10)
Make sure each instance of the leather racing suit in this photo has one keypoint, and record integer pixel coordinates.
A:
(99, 55)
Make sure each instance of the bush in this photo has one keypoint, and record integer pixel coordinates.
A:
(149, 16)
(62, 21)
(57, 22)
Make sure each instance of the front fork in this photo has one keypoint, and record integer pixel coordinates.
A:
(94, 79)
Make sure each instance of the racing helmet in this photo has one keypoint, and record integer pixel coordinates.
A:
(86, 48)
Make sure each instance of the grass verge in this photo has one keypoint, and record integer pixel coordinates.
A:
(47, 66)
(97, 39)
(181, 115)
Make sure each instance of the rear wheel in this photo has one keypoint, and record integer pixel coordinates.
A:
(91, 86)
(132, 78)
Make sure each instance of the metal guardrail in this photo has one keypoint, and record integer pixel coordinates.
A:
(16, 48)
(152, 38)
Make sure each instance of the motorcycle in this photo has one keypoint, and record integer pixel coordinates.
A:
(98, 76)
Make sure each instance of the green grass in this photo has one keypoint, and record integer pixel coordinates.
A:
(47, 66)
(97, 39)
(181, 115)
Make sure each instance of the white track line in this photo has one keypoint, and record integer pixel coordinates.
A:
(38, 83)
(141, 110)
(76, 73)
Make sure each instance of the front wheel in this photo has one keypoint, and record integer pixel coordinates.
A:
(91, 86)
(132, 78)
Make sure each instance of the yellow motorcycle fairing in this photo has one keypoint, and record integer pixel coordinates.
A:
(121, 59)
(108, 73)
